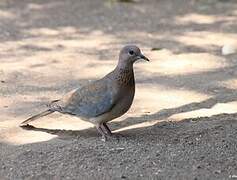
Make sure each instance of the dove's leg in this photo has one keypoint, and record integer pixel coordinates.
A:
(106, 129)
(100, 130)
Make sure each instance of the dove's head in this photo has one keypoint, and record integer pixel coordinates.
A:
(130, 54)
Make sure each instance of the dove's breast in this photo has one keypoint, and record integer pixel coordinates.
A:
(124, 86)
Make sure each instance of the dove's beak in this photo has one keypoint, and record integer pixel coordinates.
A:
(141, 56)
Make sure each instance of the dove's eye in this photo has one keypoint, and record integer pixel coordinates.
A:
(131, 52)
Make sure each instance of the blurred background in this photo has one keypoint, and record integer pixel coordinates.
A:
(48, 48)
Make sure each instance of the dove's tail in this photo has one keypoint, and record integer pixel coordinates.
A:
(44, 113)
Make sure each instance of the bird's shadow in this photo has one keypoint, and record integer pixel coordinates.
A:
(160, 115)
(86, 133)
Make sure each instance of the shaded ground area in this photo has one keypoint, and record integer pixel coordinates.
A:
(183, 121)
(203, 148)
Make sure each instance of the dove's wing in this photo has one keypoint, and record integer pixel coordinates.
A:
(89, 101)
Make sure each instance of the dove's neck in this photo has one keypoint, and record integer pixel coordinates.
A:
(124, 74)
(122, 65)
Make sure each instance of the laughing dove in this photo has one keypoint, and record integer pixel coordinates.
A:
(103, 100)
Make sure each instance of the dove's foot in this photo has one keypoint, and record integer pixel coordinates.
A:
(103, 134)
(106, 129)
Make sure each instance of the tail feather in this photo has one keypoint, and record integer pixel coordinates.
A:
(44, 113)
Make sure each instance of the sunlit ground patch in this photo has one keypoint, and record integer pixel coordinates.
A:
(205, 39)
(230, 83)
(202, 19)
(167, 63)
(219, 108)
(11, 133)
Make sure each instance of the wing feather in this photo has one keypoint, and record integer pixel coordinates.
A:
(89, 101)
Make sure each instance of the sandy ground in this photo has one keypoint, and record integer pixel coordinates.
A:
(183, 122)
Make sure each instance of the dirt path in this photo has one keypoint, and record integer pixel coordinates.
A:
(183, 123)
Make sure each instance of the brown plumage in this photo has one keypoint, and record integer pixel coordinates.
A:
(102, 100)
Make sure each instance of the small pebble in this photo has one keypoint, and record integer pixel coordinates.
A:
(229, 49)
(217, 172)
